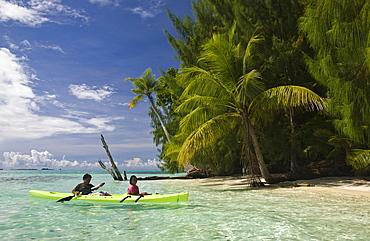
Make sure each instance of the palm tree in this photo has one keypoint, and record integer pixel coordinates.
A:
(276, 20)
(224, 94)
(146, 85)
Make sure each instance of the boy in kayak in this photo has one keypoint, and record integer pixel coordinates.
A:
(133, 189)
(86, 188)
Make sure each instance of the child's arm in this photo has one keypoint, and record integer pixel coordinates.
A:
(99, 186)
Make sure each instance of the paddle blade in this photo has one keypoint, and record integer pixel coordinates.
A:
(124, 199)
(139, 198)
(65, 199)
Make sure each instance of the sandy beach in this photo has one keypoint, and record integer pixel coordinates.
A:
(353, 186)
(337, 186)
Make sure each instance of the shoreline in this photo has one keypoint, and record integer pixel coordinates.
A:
(352, 186)
(347, 186)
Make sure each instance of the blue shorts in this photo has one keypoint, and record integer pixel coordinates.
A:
(102, 193)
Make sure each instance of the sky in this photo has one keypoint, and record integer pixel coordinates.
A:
(63, 65)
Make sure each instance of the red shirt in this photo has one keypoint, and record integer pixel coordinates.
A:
(133, 189)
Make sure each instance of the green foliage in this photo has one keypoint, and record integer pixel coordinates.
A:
(167, 165)
(168, 99)
(339, 33)
(222, 157)
(359, 159)
(235, 49)
(217, 99)
(192, 33)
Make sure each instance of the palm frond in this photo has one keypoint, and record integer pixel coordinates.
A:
(132, 103)
(250, 86)
(196, 100)
(280, 98)
(194, 119)
(253, 49)
(221, 56)
(200, 109)
(172, 148)
(207, 133)
(204, 82)
(359, 159)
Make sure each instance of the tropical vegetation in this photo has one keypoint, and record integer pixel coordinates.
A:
(264, 87)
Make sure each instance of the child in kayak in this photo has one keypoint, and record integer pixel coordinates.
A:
(86, 188)
(133, 189)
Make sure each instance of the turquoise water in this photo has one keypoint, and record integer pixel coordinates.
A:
(212, 213)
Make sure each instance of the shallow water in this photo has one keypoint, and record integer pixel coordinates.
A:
(213, 212)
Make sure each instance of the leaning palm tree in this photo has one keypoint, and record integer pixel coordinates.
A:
(225, 93)
(146, 85)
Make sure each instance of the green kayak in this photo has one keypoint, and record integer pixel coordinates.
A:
(115, 198)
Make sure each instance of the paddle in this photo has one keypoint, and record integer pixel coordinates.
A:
(66, 199)
(124, 199)
(139, 198)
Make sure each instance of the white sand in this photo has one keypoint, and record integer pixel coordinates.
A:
(353, 186)
(338, 185)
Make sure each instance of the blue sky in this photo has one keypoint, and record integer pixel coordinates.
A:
(62, 71)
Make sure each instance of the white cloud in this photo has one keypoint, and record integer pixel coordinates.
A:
(10, 11)
(38, 160)
(124, 104)
(93, 93)
(52, 47)
(105, 2)
(101, 2)
(35, 12)
(25, 45)
(149, 9)
(19, 106)
(101, 123)
(44, 159)
(143, 13)
(55, 8)
(140, 164)
(13, 46)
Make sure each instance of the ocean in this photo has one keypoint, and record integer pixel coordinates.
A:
(213, 212)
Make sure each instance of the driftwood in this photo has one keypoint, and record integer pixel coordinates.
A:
(108, 170)
(115, 173)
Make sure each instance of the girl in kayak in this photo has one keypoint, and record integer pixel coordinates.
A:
(86, 188)
(133, 189)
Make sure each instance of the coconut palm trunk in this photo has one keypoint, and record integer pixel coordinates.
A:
(146, 85)
(257, 149)
(156, 112)
(294, 167)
